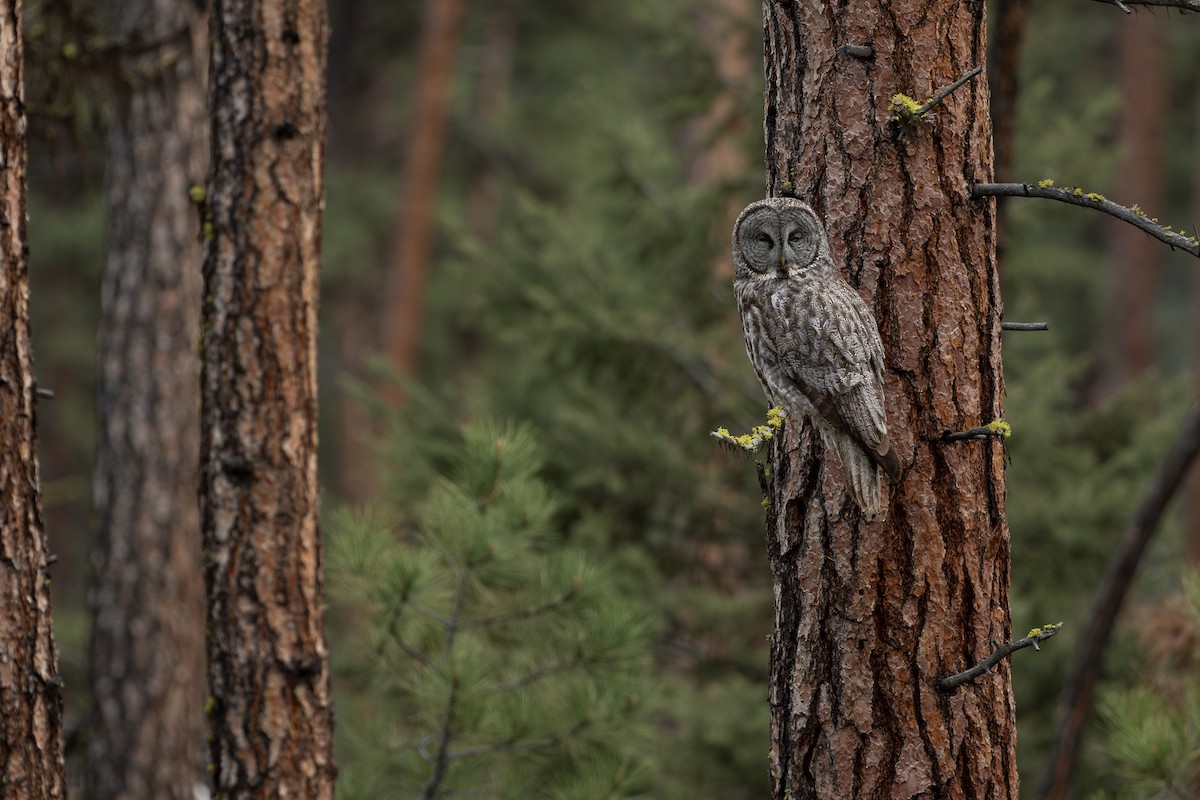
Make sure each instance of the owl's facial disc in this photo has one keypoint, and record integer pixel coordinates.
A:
(760, 240)
(799, 240)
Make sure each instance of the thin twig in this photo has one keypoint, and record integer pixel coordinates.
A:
(534, 676)
(944, 93)
(1037, 635)
(524, 613)
(518, 744)
(1078, 197)
(1181, 5)
(436, 618)
(452, 624)
(1024, 326)
(429, 790)
(409, 650)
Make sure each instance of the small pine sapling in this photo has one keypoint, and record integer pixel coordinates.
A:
(493, 660)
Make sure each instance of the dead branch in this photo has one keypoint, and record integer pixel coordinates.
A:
(1077, 197)
(1034, 640)
(1180, 5)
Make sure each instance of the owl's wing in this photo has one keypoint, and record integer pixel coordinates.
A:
(835, 358)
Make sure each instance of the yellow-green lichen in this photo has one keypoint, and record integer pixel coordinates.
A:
(1046, 183)
(1043, 631)
(999, 426)
(906, 110)
(757, 436)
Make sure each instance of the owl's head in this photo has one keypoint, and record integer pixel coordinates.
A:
(777, 237)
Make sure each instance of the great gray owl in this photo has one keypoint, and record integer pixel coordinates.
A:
(812, 339)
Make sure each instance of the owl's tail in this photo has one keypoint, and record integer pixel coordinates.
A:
(862, 473)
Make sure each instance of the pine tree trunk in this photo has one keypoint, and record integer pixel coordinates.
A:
(870, 616)
(1137, 259)
(270, 709)
(408, 268)
(145, 731)
(31, 738)
(1193, 522)
(1004, 70)
(714, 139)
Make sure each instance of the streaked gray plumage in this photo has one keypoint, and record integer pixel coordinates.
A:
(812, 339)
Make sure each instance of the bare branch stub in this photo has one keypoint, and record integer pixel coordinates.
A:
(1034, 639)
(1077, 197)
(982, 432)
(1024, 326)
(863, 52)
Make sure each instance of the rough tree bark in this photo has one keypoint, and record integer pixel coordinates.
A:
(145, 729)
(1137, 259)
(31, 737)
(270, 709)
(869, 616)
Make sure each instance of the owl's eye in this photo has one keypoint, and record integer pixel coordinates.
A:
(795, 238)
(765, 239)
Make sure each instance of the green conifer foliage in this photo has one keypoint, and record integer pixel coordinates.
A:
(1075, 478)
(492, 660)
(1152, 730)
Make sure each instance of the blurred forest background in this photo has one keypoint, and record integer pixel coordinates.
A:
(527, 221)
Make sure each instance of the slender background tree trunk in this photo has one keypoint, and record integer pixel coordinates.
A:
(31, 737)
(270, 709)
(408, 267)
(870, 616)
(145, 731)
(1137, 258)
(714, 137)
(1004, 71)
(1193, 535)
(1079, 690)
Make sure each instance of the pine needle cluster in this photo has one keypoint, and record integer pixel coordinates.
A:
(1152, 730)
(494, 660)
